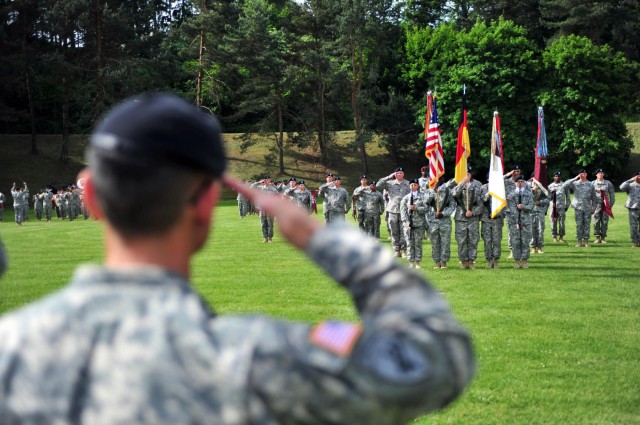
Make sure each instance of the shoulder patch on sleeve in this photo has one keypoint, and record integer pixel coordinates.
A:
(336, 337)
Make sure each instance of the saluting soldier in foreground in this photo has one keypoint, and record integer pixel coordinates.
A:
(584, 202)
(605, 192)
(397, 188)
(520, 204)
(130, 342)
(439, 218)
(413, 210)
(559, 201)
(467, 217)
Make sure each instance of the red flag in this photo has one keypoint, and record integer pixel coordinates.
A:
(540, 167)
(606, 205)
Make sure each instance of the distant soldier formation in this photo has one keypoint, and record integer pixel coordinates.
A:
(414, 211)
(66, 202)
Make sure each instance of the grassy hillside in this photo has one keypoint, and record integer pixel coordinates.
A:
(18, 164)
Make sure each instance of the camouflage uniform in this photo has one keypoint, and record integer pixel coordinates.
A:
(359, 204)
(491, 228)
(37, 204)
(440, 200)
(139, 346)
(467, 197)
(25, 203)
(600, 217)
(301, 197)
(521, 221)
(540, 207)
(337, 202)
(373, 209)
(633, 205)
(46, 204)
(266, 221)
(243, 205)
(18, 210)
(509, 186)
(396, 190)
(413, 223)
(584, 203)
(559, 202)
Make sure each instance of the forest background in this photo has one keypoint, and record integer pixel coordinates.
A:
(300, 72)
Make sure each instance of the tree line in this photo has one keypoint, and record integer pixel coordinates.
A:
(301, 70)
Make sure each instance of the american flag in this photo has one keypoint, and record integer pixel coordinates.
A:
(433, 147)
(337, 337)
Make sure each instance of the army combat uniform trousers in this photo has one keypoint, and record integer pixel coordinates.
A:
(537, 230)
(600, 224)
(372, 224)
(467, 237)
(557, 225)
(334, 216)
(634, 225)
(492, 237)
(267, 225)
(396, 232)
(583, 223)
(440, 235)
(520, 237)
(413, 236)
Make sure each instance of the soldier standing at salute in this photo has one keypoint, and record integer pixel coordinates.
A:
(301, 195)
(373, 208)
(439, 218)
(602, 187)
(491, 229)
(520, 204)
(46, 203)
(18, 200)
(397, 188)
(468, 212)
(632, 187)
(413, 209)
(359, 203)
(509, 186)
(584, 203)
(266, 221)
(559, 202)
(541, 205)
(337, 200)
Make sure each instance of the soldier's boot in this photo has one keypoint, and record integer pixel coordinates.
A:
(555, 239)
(417, 265)
(602, 240)
(270, 240)
(471, 264)
(443, 264)
(524, 264)
(265, 240)
(411, 264)
(403, 253)
(540, 251)
(495, 264)
(510, 257)
(534, 250)
(636, 245)
(490, 264)
(585, 243)
(517, 264)
(579, 244)
(464, 264)
(437, 265)
(561, 240)
(598, 240)
(398, 254)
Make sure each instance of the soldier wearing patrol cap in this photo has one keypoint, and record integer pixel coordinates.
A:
(584, 203)
(337, 200)
(632, 187)
(130, 342)
(413, 210)
(397, 188)
(359, 203)
(509, 186)
(467, 217)
(559, 202)
(520, 204)
(266, 221)
(605, 193)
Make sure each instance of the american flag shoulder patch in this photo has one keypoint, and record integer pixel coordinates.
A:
(336, 337)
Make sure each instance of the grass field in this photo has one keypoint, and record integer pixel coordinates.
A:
(558, 343)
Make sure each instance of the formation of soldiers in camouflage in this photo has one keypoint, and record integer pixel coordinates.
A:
(68, 203)
(469, 203)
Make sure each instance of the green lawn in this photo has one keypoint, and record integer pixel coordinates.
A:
(558, 343)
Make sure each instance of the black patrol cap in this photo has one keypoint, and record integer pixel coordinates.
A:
(470, 169)
(516, 167)
(376, 181)
(557, 173)
(329, 174)
(599, 170)
(414, 181)
(336, 178)
(165, 128)
(300, 181)
(520, 177)
(292, 179)
(363, 177)
(399, 169)
(582, 170)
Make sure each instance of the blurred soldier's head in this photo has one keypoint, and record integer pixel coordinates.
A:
(583, 174)
(399, 173)
(556, 176)
(150, 160)
(337, 181)
(600, 174)
(329, 177)
(363, 180)
(373, 187)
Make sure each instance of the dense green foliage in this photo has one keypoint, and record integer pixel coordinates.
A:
(556, 344)
(314, 67)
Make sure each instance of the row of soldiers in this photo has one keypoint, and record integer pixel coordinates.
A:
(65, 202)
(413, 210)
